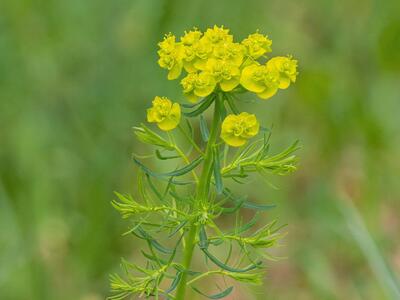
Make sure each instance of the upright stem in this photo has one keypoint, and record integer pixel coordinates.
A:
(202, 191)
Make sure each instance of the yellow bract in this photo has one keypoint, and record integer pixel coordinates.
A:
(237, 129)
(213, 60)
(166, 114)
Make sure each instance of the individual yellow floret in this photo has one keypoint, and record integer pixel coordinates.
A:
(287, 68)
(173, 63)
(166, 114)
(189, 43)
(191, 37)
(260, 79)
(171, 55)
(203, 51)
(230, 52)
(196, 85)
(257, 45)
(168, 44)
(237, 129)
(189, 57)
(224, 73)
(217, 35)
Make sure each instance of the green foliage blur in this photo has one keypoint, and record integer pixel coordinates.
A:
(75, 76)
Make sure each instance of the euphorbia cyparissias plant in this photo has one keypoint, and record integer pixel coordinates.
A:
(176, 213)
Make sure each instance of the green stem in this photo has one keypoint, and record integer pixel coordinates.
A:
(202, 191)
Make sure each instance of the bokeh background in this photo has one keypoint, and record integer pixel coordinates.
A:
(75, 76)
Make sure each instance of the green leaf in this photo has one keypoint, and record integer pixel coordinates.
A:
(154, 189)
(231, 104)
(179, 227)
(228, 268)
(217, 171)
(202, 107)
(175, 282)
(171, 258)
(255, 206)
(253, 278)
(248, 204)
(178, 172)
(187, 105)
(147, 136)
(191, 129)
(153, 258)
(127, 206)
(221, 295)
(222, 109)
(180, 268)
(174, 194)
(142, 234)
(231, 210)
(248, 225)
(161, 157)
(204, 129)
(216, 242)
(203, 243)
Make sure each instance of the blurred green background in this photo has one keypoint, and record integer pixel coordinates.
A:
(75, 76)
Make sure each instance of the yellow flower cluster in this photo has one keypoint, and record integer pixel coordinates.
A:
(265, 80)
(213, 61)
(237, 129)
(164, 113)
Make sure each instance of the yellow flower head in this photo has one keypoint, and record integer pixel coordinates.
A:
(217, 35)
(190, 43)
(213, 58)
(173, 63)
(167, 45)
(287, 68)
(260, 79)
(257, 45)
(225, 73)
(203, 50)
(229, 51)
(196, 85)
(191, 37)
(237, 129)
(171, 55)
(166, 114)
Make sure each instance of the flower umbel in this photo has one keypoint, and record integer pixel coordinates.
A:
(215, 54)
(166, 114)
(236, 130)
